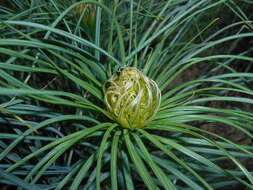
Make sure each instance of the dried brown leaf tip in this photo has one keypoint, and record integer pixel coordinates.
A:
(89, 14)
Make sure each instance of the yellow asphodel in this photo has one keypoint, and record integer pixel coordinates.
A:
(132, 98)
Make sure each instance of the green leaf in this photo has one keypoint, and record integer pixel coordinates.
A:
(101, 150)
(141, 168)
(77, 135)
(114, 158)
(82, 173)
(174, 157)
(167, 184)
(17, 181)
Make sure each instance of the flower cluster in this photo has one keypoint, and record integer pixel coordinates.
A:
(132, 98)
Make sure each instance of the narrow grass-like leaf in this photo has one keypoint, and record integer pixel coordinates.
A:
(43, 124)
(48, 160)
(100, 155)
(82, 133)
(114, 158)
(129, 184)
(17, 181)
(176, 172)
(174, 157)
(82, 173)
(243, 169)
(68, 177)
(167, 184)
(63, 33)
(141, 168)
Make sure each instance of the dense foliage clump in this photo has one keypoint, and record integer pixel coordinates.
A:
(122, 94)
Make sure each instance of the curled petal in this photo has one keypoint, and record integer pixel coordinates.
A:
(132, 98)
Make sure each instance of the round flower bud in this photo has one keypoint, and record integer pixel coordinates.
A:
(132, 98)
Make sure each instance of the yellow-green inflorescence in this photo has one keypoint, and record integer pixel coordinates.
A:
(132, 98)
